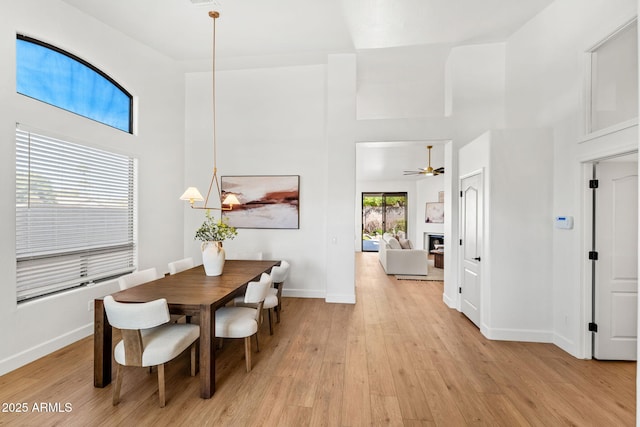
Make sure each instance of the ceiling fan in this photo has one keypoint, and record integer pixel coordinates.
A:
(428, 171)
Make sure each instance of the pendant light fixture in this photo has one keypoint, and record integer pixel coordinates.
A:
(192, 194)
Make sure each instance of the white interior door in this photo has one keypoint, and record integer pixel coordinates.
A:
(471, 206)
(616, 277)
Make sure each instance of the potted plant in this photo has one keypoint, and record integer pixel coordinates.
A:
(212, 233)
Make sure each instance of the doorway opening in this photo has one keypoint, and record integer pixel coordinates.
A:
(382, 213)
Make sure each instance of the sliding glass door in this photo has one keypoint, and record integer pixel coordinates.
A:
(382, 213)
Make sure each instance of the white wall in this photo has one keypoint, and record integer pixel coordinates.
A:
(474, 103)
(516, 295)
(271, 121)
(475, 84)
(546, 73)
(427, 191)
(403, 82)
(32, 329)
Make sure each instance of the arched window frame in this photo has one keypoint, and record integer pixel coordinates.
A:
(91, 67)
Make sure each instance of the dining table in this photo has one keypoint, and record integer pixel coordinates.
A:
(191, 293)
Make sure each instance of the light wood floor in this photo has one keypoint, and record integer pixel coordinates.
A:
(397, 357)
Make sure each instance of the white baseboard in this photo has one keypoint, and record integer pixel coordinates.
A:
(341, 299)
(303, 293)
(34, 353)
(308, 293)
(526, 335)
(569, 346)
(449, 302)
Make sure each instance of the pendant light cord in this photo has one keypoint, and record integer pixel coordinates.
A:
(215, 15)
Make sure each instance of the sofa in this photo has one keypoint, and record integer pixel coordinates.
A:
(397, 256)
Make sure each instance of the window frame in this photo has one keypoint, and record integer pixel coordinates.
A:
(93, 68)
(44, 182)
(588, 132)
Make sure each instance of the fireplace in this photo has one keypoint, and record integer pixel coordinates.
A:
(434, 239)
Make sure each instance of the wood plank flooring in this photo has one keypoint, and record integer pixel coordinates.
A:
(397, 357)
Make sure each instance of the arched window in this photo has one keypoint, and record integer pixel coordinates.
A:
(51, 75)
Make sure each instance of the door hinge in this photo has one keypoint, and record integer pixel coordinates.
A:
(593, 183)
(460, 193)
(460, 242)
(460, 289)
(593, 255)
(593, 327)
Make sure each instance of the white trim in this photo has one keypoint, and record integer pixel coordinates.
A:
(588, 87)
(525, 335)
(584, 346)
(608, 130)
(612, 34)
(303, 293)
(18, 360)
(341, 299)
(569, 346)
(451, 303)
(467, 175)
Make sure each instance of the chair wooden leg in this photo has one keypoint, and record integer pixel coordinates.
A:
(247, 352)
(270, 321)
(257, 343)
(277, 313)
(194, 360)
(117, 385)
(161, 395)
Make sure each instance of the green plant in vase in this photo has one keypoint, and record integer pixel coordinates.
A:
(212, 233)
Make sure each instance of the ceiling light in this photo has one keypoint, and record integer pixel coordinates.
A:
(192, 194)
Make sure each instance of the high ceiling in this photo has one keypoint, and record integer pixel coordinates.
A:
(181, 29)
(290, 32)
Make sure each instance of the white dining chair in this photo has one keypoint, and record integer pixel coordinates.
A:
(272, 300)
(279, 274)
(137, 278)
(180, 265)
(143, 276)
(244, 322)
(148, 339)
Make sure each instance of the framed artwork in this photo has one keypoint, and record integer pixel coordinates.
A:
(270, 201)
(434, 213)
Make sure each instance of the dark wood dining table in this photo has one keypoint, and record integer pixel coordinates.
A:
(190, 293)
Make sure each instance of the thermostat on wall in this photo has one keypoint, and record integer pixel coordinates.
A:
(564, 222)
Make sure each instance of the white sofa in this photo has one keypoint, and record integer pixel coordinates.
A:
(398, 260)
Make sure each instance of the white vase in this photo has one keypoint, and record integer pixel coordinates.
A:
(213, 257)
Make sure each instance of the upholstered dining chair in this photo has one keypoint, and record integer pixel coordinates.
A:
(272, 300)
(137, 278)
(148, 339)
(279, 274)
(143, 276)
(244, 322)
(180, 265)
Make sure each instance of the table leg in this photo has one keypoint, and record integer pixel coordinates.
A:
(102, 343)
(207, 352)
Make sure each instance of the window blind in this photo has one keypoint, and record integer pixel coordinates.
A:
(74, 215)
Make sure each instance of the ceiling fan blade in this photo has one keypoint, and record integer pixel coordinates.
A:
(439, 170)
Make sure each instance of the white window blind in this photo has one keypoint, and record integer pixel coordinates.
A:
(74, 215)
